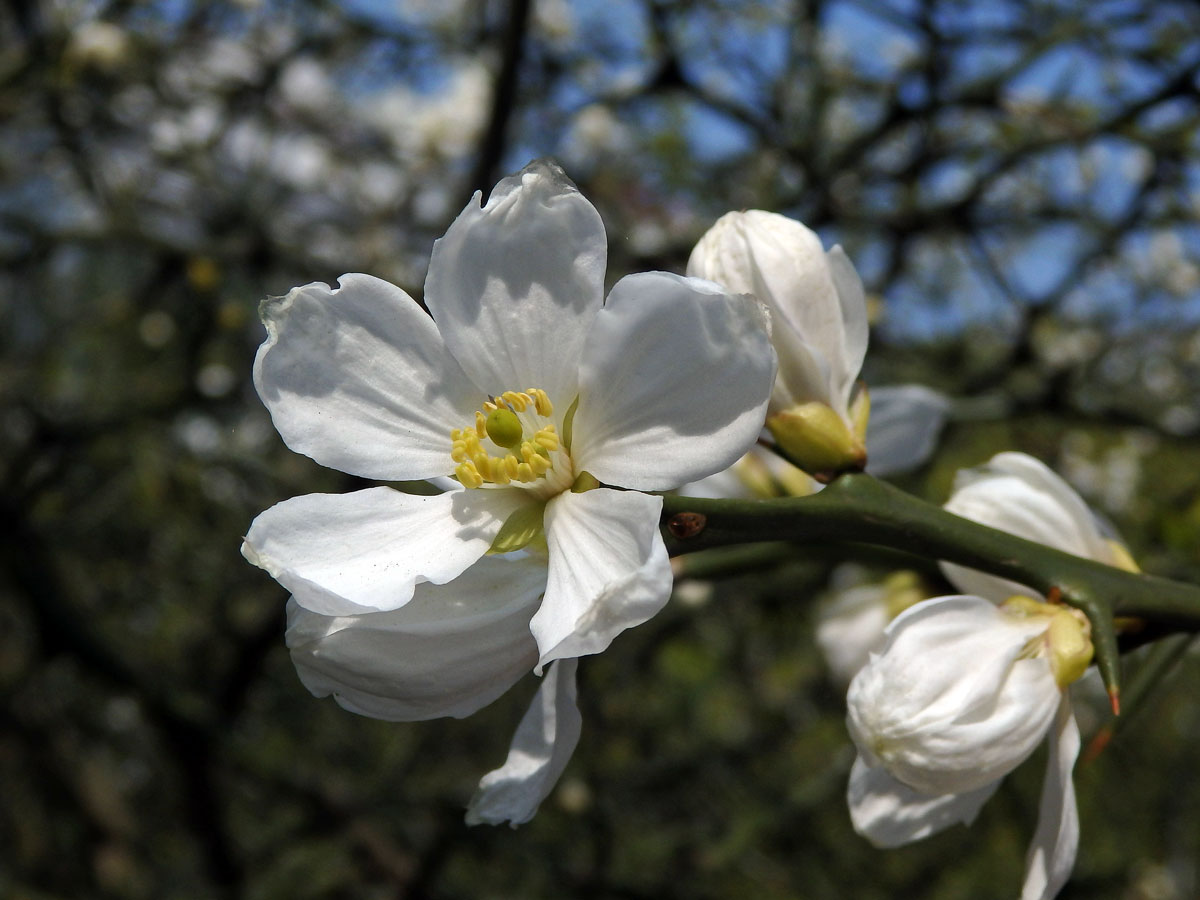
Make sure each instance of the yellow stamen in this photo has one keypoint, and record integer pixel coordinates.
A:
(514, 422)
(468, 475)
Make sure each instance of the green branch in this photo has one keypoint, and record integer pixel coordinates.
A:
(860, 509)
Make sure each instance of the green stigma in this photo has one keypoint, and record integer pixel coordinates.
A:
(504, 428)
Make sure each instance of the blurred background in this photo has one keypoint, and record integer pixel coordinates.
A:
(1019, 186)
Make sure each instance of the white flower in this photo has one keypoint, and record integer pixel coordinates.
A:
(963, 692)
(532, 391)
(819, 329)
(851, 626)
(959, 695)
(1016, 493)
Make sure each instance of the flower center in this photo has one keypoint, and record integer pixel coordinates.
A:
(514, 423)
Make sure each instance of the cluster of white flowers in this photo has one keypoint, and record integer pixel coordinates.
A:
(549, 413)
(957, 691)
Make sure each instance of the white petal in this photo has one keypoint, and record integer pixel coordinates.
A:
(889, 813)
(851, 628)
(343, 554)
(1018, 494)
(815, 298)
(904, 426)
(608, 570)
(514, 285)
(451, 650)
(1052, 853)
(852, 302)
(540, 750)
(674, 382)
(948, 705)
(724, 485)
(359, 379)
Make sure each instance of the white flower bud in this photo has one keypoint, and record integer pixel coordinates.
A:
(819, 318)
(962, 692)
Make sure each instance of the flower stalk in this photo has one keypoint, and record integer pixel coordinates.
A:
(858, 508)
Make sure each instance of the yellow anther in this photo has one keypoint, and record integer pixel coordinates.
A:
(541, 401)
(456, 434)
(517, 400)
(458, 451)
(467, 474)
(547, 438)
(539, 464)
(525, 473)
(480, 424)
(510, 466)
(499, 472)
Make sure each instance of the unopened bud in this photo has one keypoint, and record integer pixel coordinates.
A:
(818, 440)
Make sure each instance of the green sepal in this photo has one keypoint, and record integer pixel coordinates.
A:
(568, 423)
(520, 529)
(585, 481)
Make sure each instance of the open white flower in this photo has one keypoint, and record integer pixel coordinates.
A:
(524, 384)
(819, 329)
(531, 391)
(963, 692)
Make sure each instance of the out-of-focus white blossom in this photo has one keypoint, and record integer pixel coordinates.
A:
(442, 124)
(99, 45)
(851, 626)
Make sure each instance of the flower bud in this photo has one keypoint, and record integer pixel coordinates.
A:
(817, 439)
(961, 693)
(819, 329)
